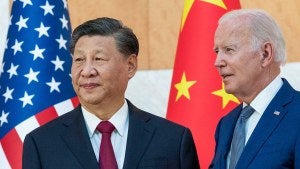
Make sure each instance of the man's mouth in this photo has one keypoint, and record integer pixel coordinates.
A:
(89, 85)
(226, 76)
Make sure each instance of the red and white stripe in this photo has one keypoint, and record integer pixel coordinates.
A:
(11, 144)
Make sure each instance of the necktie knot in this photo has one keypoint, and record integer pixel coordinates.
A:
(105, 127)
(246, 113)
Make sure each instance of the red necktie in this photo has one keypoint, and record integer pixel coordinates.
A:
(107, 158)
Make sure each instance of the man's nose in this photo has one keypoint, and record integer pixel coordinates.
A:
(220, 62)
(88, 69)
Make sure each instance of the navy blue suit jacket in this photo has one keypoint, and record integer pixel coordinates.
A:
(153, 142)
(275, 141)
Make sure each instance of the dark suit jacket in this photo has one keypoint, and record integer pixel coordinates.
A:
(275, 141)
(153, 142)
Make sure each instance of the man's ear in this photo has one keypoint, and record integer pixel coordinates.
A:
(267, 54)
(132, 65)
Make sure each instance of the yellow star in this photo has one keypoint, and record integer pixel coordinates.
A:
(225, 96)
(219, 3)
(183, 87)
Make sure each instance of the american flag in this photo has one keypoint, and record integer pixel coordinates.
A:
(35, 81)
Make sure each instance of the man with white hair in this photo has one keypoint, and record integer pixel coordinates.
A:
(264, 131)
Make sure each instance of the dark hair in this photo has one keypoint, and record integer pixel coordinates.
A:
(126, 41)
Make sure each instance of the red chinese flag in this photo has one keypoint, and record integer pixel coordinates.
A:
(197, 97)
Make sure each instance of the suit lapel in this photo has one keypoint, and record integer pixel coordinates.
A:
(139, 136)
(77, 140)
(266, 125)
(230, 125)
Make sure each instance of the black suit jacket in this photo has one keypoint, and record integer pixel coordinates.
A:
(153, 142)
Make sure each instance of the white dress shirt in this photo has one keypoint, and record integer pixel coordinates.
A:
(118, 137)
(260, 104)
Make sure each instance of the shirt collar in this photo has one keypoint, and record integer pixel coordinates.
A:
(119, 120)
(263, 99)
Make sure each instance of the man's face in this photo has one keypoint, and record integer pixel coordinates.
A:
(100, 73)
(237, 62)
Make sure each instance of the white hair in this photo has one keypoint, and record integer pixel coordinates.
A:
(263, 28)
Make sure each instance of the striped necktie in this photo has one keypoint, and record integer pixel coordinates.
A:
(239, 136)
